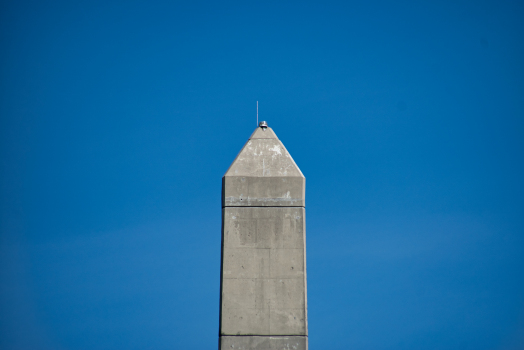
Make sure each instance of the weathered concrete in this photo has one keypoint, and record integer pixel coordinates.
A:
(263, 174)
(262, 343)
(263, 271)
(264, 157)
(263, 301)
(263, 191)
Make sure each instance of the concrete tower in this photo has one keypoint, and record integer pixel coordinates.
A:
(263, 294)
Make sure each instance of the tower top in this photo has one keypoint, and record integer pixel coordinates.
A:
(264, 174)
(263, 132)
(264, 155)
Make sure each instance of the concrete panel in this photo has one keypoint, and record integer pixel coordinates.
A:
(238, 293)
(287, 322)
(286, 294)
(245, 263)
(264, 191)
(264, 227)
(278, 305)
(263, 343)
(286, 263)
(246, 322)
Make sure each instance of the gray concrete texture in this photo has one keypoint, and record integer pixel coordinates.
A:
(263, 174)
(263, 303)
(263, 343)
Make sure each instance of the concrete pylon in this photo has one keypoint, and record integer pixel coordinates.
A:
(263, 293)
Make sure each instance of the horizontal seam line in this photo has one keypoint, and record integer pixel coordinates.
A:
(266, 278)
(263, 335)
(258, 248)
(263, 206)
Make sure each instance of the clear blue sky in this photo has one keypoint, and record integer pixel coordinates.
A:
(118, 120)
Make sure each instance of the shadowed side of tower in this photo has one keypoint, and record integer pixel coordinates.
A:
(263, 293)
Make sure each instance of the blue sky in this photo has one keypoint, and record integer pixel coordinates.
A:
(118, 120)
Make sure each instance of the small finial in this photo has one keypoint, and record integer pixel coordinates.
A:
(263, 125)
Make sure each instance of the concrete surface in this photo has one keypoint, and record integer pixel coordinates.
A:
(263, 191)
(263, 343)
(264, 157)
(263, 300)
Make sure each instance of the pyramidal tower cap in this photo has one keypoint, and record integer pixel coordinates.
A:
(264, 174)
